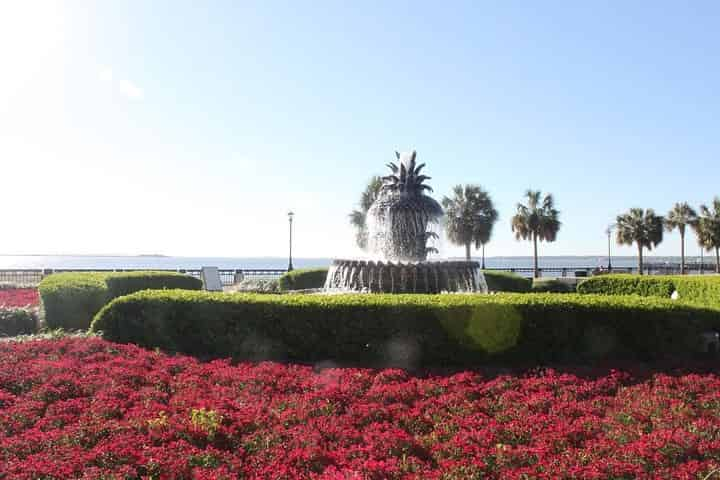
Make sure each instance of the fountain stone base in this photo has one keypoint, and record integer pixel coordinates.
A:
(389, 277)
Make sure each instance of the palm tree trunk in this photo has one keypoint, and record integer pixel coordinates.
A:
(682, 252)
(483, 256)
(535, 258)
(640, 259)
(467, 251)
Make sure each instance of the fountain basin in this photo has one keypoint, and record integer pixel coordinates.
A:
(416, 277)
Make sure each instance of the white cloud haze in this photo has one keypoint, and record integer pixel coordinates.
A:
(130, 90)
(127, 89)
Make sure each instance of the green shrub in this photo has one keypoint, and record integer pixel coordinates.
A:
(406, 330)
(552, 285)
(257, 285)
(703, 290)
(506, 282)
(647, 286)
(18, 321)
(70, 300)
(124, 283)
(303, 279)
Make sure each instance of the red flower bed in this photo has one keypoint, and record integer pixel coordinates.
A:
(19, 297)
(86, 408)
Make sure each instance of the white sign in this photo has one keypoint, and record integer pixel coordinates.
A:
(211, 279)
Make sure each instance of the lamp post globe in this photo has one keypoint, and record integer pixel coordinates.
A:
(290, 222)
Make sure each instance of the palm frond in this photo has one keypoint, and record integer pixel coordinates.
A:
(538, 218)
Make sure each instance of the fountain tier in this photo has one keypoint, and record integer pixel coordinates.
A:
(388, 277)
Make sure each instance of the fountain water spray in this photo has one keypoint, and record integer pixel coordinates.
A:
(402, 228)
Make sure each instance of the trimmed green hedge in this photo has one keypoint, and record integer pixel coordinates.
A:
(124, 283)
(506, 282)
(691, 288)
(303, 279)
(72, 299)
(647, 286)
(552, 285)
(704, 290)
(407, 330)
(17, 321)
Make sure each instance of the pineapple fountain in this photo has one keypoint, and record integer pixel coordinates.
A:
(401, 225)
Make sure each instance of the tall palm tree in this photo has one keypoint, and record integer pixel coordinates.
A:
(680, 217)
(707, 229)
(538, 220)
(469, 217)
(641, 227)
(357, 217)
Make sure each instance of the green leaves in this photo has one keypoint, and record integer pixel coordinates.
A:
(506, 282)
(642, 227)
(703, 290)
(303, 279)
(407, 330)
(357, 217)
(469, 215)
(655, 286)
(537, 219)
(707, 226)
(72, 299)
(681, 215)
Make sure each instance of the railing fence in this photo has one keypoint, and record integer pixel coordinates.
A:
(33, 276)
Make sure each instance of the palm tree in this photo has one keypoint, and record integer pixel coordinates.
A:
(357, 217)
(469, 217)
(680, 217)
(641, 227)
(707, 229)
(536, 221)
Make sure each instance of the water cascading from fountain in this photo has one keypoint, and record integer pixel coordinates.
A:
(402, 228)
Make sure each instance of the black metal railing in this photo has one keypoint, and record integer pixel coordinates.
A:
(648, 269)
(33, 276)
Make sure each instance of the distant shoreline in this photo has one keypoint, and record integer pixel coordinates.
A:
(278, 257)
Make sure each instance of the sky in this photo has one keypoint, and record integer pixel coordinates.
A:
(192, 128)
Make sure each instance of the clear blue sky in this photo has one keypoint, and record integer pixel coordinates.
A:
(190, 128)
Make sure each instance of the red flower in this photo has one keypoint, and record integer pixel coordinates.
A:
(88, 409)
(19, 297)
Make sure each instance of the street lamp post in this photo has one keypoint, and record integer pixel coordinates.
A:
(290, 220)
(609, 235)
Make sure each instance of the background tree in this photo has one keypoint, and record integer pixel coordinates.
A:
(357, 217)
(641, 227)
(536, 221)
(469, 217)
(707, 229)
(680, 217)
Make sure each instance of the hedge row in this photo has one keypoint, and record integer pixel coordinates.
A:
(71, 300)
(407, 330)
(303, 279)
(690, 288)
(506, 282)
(17, 321)
(551, 285)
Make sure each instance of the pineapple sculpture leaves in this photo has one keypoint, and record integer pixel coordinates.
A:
(401, 215)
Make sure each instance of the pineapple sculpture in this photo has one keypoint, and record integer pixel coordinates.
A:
(399, 219)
